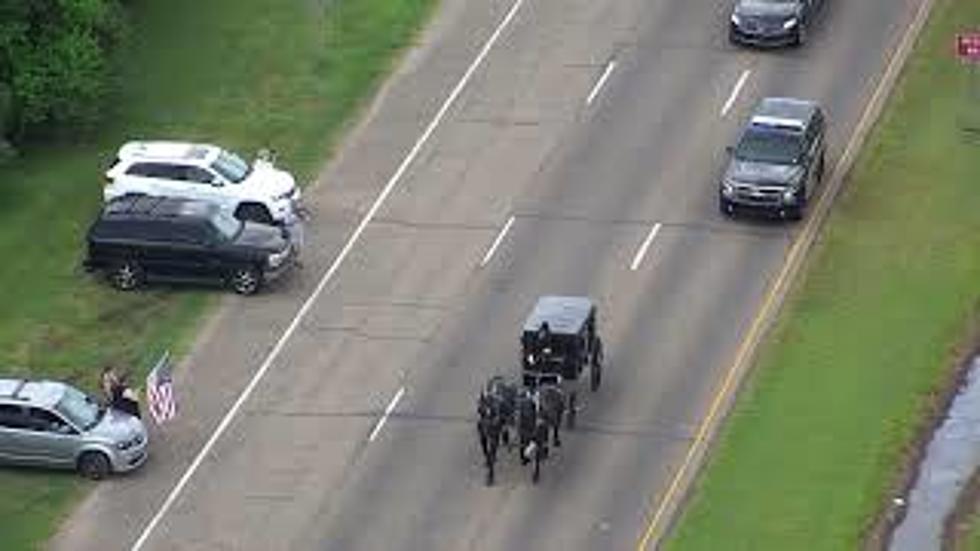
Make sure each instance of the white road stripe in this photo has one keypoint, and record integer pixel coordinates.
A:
(735, 91)
(638, 259)
(497, 241)
(600, 83)
(334, 267)
(388, 410)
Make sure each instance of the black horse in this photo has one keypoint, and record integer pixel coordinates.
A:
(539, 411)
(495, 410)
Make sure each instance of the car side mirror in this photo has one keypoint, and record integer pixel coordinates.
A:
(217, 183)
(729, 149)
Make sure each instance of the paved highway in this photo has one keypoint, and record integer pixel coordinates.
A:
(579, 156)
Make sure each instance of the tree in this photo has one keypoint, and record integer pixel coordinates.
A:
(53, 62)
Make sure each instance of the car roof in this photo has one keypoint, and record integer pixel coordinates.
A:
(168, 151)
(564, 314)
(784, 113)
(145, 206)
(35, 393)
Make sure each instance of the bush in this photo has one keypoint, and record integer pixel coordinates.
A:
(53, 61)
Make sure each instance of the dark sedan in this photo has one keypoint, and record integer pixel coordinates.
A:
(772, 22)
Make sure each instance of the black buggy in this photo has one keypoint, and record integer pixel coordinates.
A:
(559, 341)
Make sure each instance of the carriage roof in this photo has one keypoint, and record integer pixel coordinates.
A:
(564, 314)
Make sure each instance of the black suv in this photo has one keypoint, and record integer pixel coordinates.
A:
(777, 161)
(771, 22)
(140, 237)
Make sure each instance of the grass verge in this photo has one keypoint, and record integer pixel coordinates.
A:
(243, 73)
(868, 337)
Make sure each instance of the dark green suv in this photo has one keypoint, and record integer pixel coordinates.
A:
(777, 161)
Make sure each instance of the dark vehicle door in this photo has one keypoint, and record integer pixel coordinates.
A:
(156, 243)
(194, 250)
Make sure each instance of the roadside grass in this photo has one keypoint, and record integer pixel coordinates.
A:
(243, 73)
(972, 540)
(869, 336)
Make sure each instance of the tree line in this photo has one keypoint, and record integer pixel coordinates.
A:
(54, 64)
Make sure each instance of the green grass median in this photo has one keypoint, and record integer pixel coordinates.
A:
(868, 337)
(243, 73)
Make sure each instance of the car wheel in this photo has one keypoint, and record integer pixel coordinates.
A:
(795, 214)
(94, 465)
(725, 207)
(821, 166)
(254, 212)
(801, 34)
(127, 275)
(733, 38)
(245, 280)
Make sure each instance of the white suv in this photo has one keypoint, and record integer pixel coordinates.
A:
(258, 192)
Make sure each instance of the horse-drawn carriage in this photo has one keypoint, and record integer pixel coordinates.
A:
(559, 341)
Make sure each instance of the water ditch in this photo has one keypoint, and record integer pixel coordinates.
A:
(953, 454)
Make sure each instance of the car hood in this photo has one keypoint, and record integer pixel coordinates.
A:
(255, 235)
(268, 181)
(762, 173)
(766, 9)
(117, 426)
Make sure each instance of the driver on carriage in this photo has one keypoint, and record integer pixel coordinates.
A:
(540, 355)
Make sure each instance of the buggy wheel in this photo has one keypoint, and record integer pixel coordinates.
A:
(572, 409)
(595, 371)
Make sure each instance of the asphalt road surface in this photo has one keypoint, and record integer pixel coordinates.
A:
(588, 127)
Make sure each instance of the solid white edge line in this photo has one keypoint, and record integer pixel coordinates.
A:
(735, 92)
(601, 82)
(334, 267)
(638, 259)
(388, 410)
(497, 241)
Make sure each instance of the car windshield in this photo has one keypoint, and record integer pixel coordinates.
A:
(228, 226)
(232, 167)
(769, 146)
(82, 411)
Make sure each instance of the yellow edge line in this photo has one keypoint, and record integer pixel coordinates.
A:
(777, 291)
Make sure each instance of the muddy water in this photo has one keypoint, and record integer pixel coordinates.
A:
(952, 456)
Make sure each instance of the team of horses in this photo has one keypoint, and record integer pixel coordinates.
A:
(522, 416)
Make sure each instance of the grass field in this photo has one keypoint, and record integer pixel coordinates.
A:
(868, 337)
(243, 73)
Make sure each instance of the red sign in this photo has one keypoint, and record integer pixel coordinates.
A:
(968, 46)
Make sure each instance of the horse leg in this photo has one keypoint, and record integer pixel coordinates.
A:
(491, 461)
(537, 467)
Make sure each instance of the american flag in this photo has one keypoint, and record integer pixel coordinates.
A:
(160, 391)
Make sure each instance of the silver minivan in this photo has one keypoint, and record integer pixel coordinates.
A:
(53, 424)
